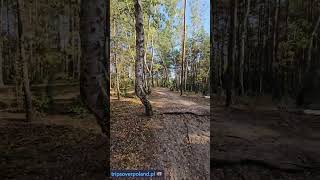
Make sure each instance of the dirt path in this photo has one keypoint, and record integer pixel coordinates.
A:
(264, 144)
(182, 132)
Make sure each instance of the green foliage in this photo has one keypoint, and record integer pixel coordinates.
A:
(79, 109)
(42, 103)
(162, 28)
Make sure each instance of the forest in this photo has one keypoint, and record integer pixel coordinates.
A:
(198, 89)
(264, 91)
(266, 48)
(168, 41)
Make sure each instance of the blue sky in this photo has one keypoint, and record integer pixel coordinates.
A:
(205, 12)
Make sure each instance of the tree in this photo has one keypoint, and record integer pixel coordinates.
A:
(23, 62)
(275, 59)
(243, 38)
(94, 68)
(229, 75)
(139, 85)
(183, 47)
(1, 46)
(117, 83)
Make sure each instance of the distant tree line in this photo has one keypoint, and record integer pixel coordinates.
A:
(264, 47)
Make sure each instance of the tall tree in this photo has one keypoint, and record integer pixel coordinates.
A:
(95, 38)
(275, 60)
(117, 83)
(229, 75)
(243, 39)
(183, 48)
(1, 45)
(139, 84)
(23, 61)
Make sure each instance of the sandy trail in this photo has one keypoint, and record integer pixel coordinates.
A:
(181, 126)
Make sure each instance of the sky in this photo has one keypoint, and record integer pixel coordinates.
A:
(205, 11)
(205, 19)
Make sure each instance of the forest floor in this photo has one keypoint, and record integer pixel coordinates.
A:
(175, 139)
(248, 143)
(55, 145)
(264, 143)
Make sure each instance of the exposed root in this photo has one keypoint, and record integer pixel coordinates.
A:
(183, 113)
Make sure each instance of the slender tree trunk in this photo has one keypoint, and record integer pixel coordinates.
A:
(232, 52)
(117, 76)
(183, 47)
(79, 49)
(152, 61)
(147, 70)
(95, 37)
(24, 63)
(32, 35)
(74, 64)
(243, 38)
(117, 85)
(214, 66)
(8, 21)
(186, 76)
(1, 46)
(1, 63)
(139, 89)
(275, 62)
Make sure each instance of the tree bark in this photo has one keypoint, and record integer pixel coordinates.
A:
(95, 38)
(183, 47)
(23, 61)
(232, 52)
(117, 85)
(152, 61)
(139, 85)
(186, 75)
(275, 62)
(1, 63)
(243, 38)
(1, 46)
(117, 76)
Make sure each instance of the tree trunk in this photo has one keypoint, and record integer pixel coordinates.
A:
(147, 70)
(94, 82)
(243, 38)
(152, 59)
(117, 86)
(7, 18)
(1, 63)
(139, 89)
(23, 61)
(186, 76)
(117, 76)
(183, 47)
(73, 56)
(275, 62)
(232, 52)
(1, 46)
